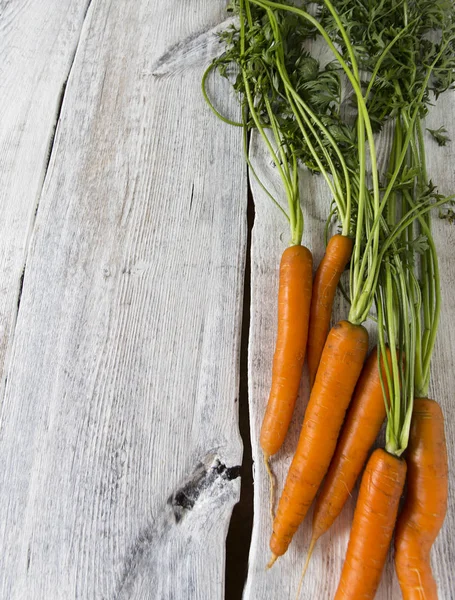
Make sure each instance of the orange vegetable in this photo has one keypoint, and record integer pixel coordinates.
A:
(363, 422)
(374, 520)
(336, 257)
(426, 502)
(340, 366)
(294, 300)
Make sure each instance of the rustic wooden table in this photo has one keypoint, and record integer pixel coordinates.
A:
(137, 313)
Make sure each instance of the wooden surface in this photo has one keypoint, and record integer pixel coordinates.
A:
(119, 442)
(123, 242)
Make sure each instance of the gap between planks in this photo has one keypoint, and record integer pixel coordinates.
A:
(238, 540)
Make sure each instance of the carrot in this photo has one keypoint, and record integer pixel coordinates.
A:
(339, 369)
(383, 480)
(363, 422)
(294, 300)
(426, 502)
(372, 528)
(361, 427)
(336, 257)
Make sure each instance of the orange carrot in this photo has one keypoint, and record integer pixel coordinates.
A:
(336, 257)
(363, 422)
(339, 369)
(294, 300)
(426, 502)
(372, 528)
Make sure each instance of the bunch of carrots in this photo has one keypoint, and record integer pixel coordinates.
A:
(387, 61)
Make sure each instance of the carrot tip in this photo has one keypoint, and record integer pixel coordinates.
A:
(305, 566)
(272, 561)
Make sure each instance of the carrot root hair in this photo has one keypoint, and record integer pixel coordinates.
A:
(305, 566)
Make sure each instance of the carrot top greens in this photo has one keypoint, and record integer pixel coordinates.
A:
(384, 63)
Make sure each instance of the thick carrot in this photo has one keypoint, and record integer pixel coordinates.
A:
(339, 369)
(363, 422)
(294, 300)
(374, 520)
(426, 502)
(336, 257)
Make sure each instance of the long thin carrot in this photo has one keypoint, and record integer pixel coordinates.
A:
(426, 502)
(336, 257)
(360, 429)
(294, 300)
(372, 528)
(365, 416)
(384, 477)
(341, 363)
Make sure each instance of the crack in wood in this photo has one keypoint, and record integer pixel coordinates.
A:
(192, 196)
(29, 556)
(19, 292)
(60, 102)
(241, 525)
(54, 130)
(49, 152)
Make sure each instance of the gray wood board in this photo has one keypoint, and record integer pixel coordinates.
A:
(37, 46)
(119, 438)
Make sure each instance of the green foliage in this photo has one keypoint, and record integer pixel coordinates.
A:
(440, 135)
(406, 39)
(448, 215)
(319, 87)
(391, 60)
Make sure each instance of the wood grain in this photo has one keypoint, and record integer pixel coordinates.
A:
(119, 440)
(270, 237)
(37, 46)
(441, 168)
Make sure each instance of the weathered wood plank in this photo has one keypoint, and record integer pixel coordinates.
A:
(37, 45)
(119, 439)
(270, 236)
(441, 168)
